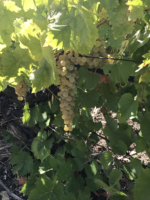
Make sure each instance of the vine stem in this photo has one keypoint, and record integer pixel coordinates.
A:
(9, 192)
(115, 59)
(53, 94)
(146, 23)
(68, 138)
(101, 23)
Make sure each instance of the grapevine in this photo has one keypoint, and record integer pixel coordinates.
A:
(76, 56)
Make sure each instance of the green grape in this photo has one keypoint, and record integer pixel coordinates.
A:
(63, 73)
(71, 79)
(95, 49)
(69, 98)
(84, 59)
(63, 63)
(79, 60)
(65, 94)
(97, 43)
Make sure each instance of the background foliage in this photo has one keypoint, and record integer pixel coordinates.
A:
(62, 165)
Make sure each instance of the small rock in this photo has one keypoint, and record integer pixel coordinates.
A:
(4, 195)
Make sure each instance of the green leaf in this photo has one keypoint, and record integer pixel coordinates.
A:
(133, 169)
(115, 177)
(8, 136)
(74, 182)
(123, 29)
(94, 167)
(58, 120)
(68, 197)
(112, 102)
(140, 145)
(28, 5)
(29, 185)
(55, 105)
(120, 148)
(44, 76)
(84, 196)
(77, 28)
(142, 185)
(106, 159)
(45, 166)
(65, 173)
(120, 72)
(136, 9)
(46, 189)
(8, 13)
(44, 124)
(118, 15)
(119, 197)
(100, 183)
(107, 4)
(86, 99)
(91, 184)
(41, 146)
(145, 129)
(128, 106)
(49, 56)
(87, 80)
(14, 60)
(22, 162)
(94, 126)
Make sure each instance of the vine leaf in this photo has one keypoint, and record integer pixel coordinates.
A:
(106, 159)
(136, 9)
(84, 196)
(28, 5)
(142, 185)
(8, 13)
(123, 29)
(86, 99)
(44, 76)
(119, 197)
(15, 60)
(112, 102)
(133, 169)
(115, 177)
(29, 185)
(41, 146)
(120, 148)
(87, 80)
(65, 173)
(120, 72)
(23, 162)
(34, 115)
(128, 106)
(52, 191)
(140, 145)
(77, 28)
(107, 4)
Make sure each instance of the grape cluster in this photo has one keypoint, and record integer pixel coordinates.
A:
(65, 67)
(21, 90)
(98, 50)
(91, 60)
(68, 75)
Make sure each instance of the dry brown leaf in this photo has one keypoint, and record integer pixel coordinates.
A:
(104, 78)
(22, 180)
